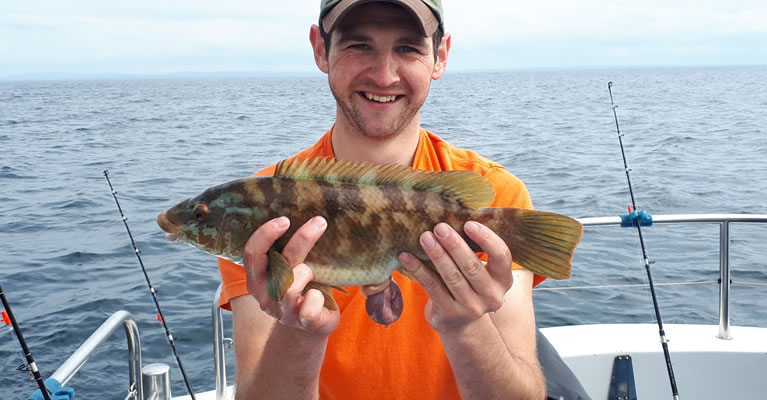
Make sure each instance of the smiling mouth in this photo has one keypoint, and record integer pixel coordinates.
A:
(380, 99)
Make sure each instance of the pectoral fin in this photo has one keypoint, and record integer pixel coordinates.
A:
(279, 276)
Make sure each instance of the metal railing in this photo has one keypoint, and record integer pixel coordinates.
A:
(218, 346)
(70, 367)
(724, 221)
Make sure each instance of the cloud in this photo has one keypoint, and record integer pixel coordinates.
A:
(497, 20)
(550, 33)
(85, 38)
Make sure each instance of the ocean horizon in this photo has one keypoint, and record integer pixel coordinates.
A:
(302, 73)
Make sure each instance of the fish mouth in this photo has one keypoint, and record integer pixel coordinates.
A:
(172, 230)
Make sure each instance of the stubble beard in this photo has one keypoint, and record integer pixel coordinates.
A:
(395, 127)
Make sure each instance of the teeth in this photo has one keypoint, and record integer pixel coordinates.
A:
(380, 99)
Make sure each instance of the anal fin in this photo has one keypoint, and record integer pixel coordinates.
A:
(327, 293)
(407, 274)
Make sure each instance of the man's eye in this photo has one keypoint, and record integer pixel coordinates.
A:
(408, 49)
(359, 46)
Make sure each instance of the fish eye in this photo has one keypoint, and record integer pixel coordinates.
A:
(200, 212)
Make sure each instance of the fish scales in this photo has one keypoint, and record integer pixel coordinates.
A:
(373, 214)
(368, 226)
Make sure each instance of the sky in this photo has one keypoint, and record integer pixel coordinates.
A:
(171, 36)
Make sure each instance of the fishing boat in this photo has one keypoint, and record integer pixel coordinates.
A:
(615, 361)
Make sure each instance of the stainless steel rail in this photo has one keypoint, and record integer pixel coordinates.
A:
(70, 367)
(724, 221)
(219, 355)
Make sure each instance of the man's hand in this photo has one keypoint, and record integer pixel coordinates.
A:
(471, 289)
(301, 311)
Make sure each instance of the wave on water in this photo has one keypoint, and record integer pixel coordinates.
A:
(78, 257)
(81, 203)
(11, 173)
(149, 119)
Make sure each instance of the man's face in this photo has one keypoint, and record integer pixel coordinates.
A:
(380, 68)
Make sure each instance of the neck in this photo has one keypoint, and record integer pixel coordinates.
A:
(351, 145)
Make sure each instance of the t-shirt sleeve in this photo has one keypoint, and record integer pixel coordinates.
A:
(510, 191)
(233, 282)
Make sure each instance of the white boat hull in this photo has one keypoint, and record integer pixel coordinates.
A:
(705, 367)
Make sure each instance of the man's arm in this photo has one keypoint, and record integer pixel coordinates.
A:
(496, 358)
(273, 361)
(280, 347)
(486, 324)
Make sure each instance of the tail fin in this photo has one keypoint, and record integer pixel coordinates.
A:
(540, 241)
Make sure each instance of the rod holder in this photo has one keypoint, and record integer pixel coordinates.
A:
(156, 381)
(724, 281)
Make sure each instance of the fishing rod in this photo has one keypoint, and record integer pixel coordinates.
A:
(31, 365)
(647, 262)
(161, 317)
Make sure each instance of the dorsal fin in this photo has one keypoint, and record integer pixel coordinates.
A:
(467, 187)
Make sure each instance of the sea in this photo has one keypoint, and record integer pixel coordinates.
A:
(695, 141)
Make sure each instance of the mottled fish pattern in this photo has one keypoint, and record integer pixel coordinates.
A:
(373, 214)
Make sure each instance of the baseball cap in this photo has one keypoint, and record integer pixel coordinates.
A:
(427, 12)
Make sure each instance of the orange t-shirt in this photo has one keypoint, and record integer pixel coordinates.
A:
(365, 360)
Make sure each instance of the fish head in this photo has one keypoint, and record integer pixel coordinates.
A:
(190, 222)
(218, 221)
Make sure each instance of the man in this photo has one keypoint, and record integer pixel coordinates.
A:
(475, 338)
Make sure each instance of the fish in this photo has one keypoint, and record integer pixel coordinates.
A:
(373, 213)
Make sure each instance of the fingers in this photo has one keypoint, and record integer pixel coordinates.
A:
(287, 308)
(498, 253)
(430, 281)
(460, 286)
(305, 311)
(314, 317)
(303, 240)
(254, 257)
(442, 311)
(465, 276)
(296, 309)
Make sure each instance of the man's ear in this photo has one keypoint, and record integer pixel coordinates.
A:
(318, 46)
(442, 52)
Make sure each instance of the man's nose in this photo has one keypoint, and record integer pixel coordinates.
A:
(383, 72)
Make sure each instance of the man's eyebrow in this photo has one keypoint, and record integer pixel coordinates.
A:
(352, 37)
(415, 40)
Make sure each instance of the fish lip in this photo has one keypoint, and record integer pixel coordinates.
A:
(172, 229)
